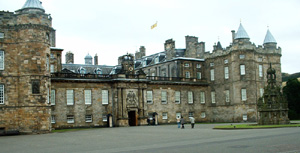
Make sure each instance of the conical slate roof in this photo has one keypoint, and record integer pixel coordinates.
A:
(269, 38)
(241, 33)
(33, 4)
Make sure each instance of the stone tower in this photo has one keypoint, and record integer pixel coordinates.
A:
(25, 48)
(127, 64)
(69, 58)
(272, 106)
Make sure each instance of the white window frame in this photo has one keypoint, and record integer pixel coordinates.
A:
(199, 75)
(88, 97)
(88, 118)
(190, 97)
(245, 117)
(53, 119)
(202, 97)
(213, 97)
(203, 115)
(156, 60)
(260, 59)
(70, 97)
(242, 69)
(178, 114)
(164, 97)
(1, 35)
(244, 94)
(177, 97)
(186, 64)
(48, 96)
(226, 72)
(260, 70)
(198, 66)
(226, 61)
(149, 97)
(70, 119)
(164, 115)
(261, 91)
(2, 59)
(211, 64)
(212, 75)
(52, 99)
(227, 96)
(105, 99)
(187, 75)
(52, 68)
(191, 114)
(2, 94)
(104, 118)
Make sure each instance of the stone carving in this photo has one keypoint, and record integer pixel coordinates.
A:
(131, 99)
(272, 107)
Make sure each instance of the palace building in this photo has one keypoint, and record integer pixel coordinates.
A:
(39, 93)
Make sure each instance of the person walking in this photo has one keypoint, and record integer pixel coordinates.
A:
(178, 121)
(182, 122)
(192, 121)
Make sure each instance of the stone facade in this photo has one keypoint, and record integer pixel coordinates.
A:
(41, 93)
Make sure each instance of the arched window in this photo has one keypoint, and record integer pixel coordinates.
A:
(82, 70)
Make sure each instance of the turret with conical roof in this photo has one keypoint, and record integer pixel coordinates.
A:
(241, 33)
(32, 6)
(270, 41)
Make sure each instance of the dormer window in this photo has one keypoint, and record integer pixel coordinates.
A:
(156, 60)
(98, 71)
(82, 70)
(144, 63)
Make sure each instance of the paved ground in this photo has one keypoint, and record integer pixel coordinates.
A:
(164, 139)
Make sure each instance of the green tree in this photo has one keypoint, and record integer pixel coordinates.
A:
(292, 93)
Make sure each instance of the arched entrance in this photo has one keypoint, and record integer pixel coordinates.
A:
(132, 118)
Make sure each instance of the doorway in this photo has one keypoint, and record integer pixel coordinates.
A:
(132, 118)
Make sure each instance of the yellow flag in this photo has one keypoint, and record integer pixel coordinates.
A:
(154, 25)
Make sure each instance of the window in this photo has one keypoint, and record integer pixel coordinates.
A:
(198, 75)
(88, 118)
(70, 97)
(156, 60)
(48, 96)
(244, 94)
(82, 70)
(211, 64)
(260, 59)
(51, 55)
(98, 71)
(163, 97)
(164, 115)
(191, 114)
(202, 97)
(186, 65)
(1, 35)
(1, 94)
(52, 100)
(88, 97)
(52, 118)
(51, 68)
(227, 96)
(190, 97)
(261, 90)
(244, 117)
(260, 70)
(212, 75)
(242, 69)
(1, 60)
(198, 66)
(104, 118)
(213, 97)
(104, 97)
(242, 56)
(226, 61)
(35, 86)
(226, 73)
(178, 115)
(203, 115)
(149, 97)
(47, 63)
(187, 75)
(70, 118)
(177, 97)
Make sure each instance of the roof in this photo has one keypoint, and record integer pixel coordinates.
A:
(33, 4)
(241, 33)
(88, 56)
(269, 38)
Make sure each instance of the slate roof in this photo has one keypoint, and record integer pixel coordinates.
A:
(269, 38)
(241, 33)
(89, 69)
(33, 4)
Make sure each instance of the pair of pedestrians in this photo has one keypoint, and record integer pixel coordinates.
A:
(181, 121)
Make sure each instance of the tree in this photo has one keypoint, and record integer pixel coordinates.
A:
(292, 93)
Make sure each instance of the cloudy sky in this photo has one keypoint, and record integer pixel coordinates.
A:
(112, 28)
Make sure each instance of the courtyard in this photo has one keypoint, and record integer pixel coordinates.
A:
(162, 138)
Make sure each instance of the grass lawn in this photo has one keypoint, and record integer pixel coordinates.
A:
(253, 126)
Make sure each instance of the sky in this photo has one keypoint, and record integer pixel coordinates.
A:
(112, 28)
